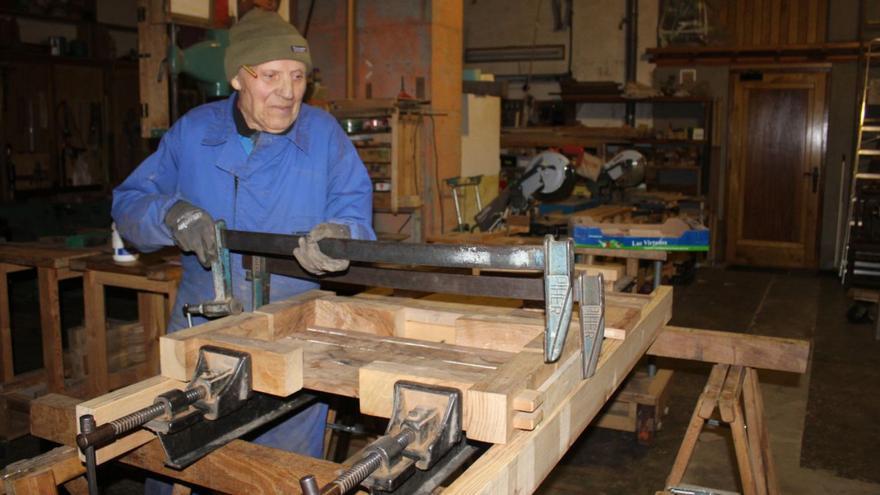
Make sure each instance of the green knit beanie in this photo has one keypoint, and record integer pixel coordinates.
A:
(261, 36)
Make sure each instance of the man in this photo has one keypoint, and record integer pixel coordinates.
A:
(263, 161)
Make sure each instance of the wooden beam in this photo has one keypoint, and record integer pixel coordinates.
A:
(121, 402)
(30, 476)
(176, 349)
(276, 366)
(53, 418)
(520, 465)
(754, 351)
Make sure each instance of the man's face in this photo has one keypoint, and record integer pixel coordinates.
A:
(271, 101)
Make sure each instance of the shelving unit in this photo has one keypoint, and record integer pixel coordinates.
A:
(670, 112)
(387, 134)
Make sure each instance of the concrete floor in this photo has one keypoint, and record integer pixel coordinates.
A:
(783, 304)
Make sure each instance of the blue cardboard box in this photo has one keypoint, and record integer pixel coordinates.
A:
(675, 234)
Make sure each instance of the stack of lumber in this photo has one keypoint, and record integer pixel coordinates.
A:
(125, 347)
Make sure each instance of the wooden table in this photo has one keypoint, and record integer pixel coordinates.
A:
(155, 278)
(53, 265)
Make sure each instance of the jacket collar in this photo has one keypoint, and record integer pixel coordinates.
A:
(223, 128)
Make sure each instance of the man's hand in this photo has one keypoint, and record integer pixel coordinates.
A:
(309, 253)
(193, 230)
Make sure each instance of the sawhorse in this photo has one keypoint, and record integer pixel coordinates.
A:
(734, 392)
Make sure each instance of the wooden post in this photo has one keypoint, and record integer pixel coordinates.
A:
(50, 322)
(96, 334)
(7, 371)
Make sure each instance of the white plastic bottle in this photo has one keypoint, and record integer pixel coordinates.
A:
(120, 253)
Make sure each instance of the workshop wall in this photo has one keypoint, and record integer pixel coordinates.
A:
(594, 48)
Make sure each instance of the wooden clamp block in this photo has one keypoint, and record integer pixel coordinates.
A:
(119, 403)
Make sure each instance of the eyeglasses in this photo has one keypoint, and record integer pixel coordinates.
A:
(249, 70)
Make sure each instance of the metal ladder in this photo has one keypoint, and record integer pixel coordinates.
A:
(867, 148)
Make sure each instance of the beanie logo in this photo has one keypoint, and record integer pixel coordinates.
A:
(299, 48)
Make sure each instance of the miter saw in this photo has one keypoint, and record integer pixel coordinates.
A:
(551, 176)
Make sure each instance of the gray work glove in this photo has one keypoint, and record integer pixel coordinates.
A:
(309, 253)
(193, 230)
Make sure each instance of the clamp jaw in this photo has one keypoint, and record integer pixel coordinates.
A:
(223, 304)
(423, 434)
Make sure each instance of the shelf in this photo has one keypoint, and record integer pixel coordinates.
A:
(65, 20)
(575, 98)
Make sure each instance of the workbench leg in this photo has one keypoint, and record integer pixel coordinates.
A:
(632, 270)
(96, 334)
(741, 447)
(50, 322)
(7, 370)
(151, 311)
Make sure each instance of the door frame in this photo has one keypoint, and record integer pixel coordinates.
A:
(733, 158)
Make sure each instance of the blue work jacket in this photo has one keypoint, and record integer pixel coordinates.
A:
(287, 184)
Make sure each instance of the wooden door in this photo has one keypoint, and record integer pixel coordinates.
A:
(777, 141)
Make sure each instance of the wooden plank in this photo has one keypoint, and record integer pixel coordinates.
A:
(151, 312)
(276, 366)
(528, 400)
(741, 448)
(53, 417)
(62, 462)
(121, 402)
(610, 272)
(373, 317)
(332, 358)
(50, 325)
(731, 393)
(40, 483)
(490, 410)
(759, 438)
(136, 282)
(376, 383)
(96, 334)
(755, 351)
(152, 44)
(177, 348)
(291, 315)
(7, 370)
(37, 255)
(706, 402)
(238, 467)
(754, 422)
(520, 465)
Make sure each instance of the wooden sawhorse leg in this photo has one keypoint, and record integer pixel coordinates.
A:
(734, 391)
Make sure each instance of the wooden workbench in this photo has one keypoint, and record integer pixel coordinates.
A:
(358, 347)
(53, 265)
(155, 277)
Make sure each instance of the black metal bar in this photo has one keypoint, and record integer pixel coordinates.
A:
(529, 257)
(528, 288)
(86, 426)
(190, 444)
